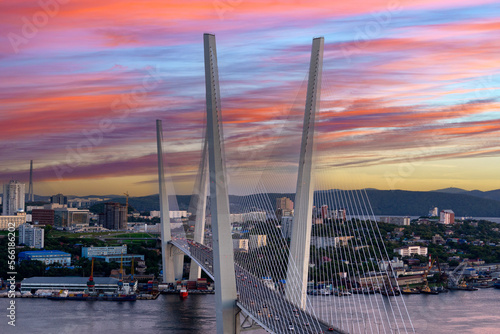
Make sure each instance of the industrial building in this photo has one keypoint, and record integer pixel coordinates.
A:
(46, 256)
(106, 284)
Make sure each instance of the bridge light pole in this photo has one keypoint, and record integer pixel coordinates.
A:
(223, 270)
(298, 261)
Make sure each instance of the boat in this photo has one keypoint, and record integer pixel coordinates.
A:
(410, 291)
(183, 293)
(428, 291)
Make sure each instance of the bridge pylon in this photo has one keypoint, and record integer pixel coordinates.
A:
(172, 260)
(298, 261)
(223, 257)
(198, 208)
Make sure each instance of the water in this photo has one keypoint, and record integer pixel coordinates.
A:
(474, 312)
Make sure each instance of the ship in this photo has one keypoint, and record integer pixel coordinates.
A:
(183, 293)
(410, 291)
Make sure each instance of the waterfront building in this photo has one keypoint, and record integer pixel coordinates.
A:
(401, 221)
(46, 256)
(447, 217)
(32, 284)
(13, 221)
(13, 198)
(31, 236)
(410, 250)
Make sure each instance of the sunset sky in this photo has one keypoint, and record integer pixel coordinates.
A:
(410, 92)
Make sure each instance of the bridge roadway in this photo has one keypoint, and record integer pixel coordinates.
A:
(263, 304)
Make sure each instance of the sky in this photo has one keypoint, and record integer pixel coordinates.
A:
(409, 98)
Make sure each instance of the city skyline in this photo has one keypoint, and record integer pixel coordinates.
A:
(409, 97)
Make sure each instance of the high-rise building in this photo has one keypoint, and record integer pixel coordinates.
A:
(284, 203)
(59, 199)
(31, 236)
(447, 217)
(114, 216)
(13, 198)
(433, 212)
(284, 208)
(324, 211)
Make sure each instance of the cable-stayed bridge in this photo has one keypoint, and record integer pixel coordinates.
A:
(315, 271)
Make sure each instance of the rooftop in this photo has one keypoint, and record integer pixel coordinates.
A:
(68, 280)
(44, 252)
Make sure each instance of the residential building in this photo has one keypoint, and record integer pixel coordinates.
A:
(410, 250)
(59, 199)
(447, 217)
(254, 216)
(42, 217)
(284, 203)
(46, 256)
(437, 239)
(13, 221)
(401, 221)
(433, 212)
(257, 241)
(286, 226)
(284, 207)
(240, 244)
(324, 242)
(31, 236)
(13, 198)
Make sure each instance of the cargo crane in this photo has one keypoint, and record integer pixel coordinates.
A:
(426, 289)
(90, 282)
(455, 281)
